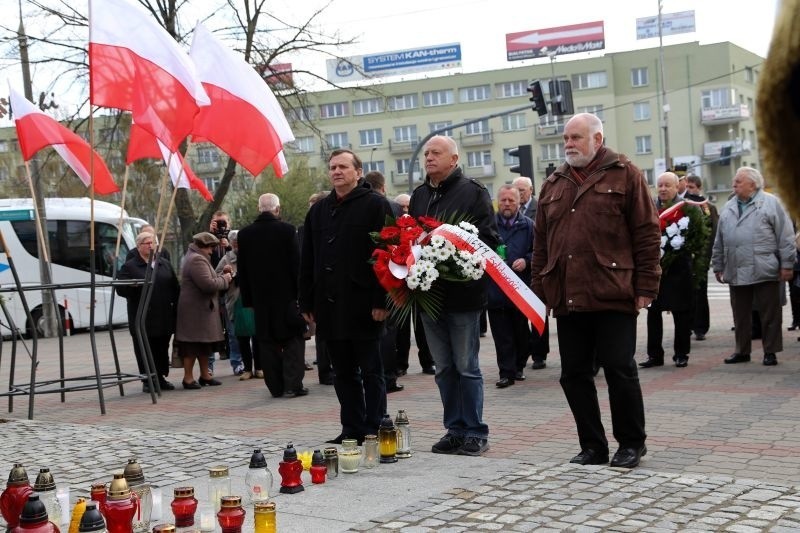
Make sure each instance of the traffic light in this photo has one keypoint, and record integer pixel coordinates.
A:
(561, 98)
(525, 155)
(537, 97)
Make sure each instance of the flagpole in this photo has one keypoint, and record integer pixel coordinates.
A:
(163, 193)
(39, 230)
(169, 210)
(121, 210)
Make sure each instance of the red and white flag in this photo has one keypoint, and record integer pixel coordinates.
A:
(35, 130)
(143, 145)
(244, 119)
(135, 65)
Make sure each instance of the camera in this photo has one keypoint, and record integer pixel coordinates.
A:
(221, 231)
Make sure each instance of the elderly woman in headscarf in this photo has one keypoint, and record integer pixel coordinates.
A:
(199, 330)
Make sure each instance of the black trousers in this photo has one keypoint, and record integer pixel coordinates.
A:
(283, 363)
(324, 367)
(701, 312)
(159, 347)
(655, 332)
(388, 347)
(359, 385)
(539, 344)
(511, 339)
(404, 343)
(248, 346)
(611, 337)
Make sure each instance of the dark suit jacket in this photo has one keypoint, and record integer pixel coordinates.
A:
(161, 315)
(268, 265)
(530, 211)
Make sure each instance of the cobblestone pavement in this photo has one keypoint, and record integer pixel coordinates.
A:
(722, 443)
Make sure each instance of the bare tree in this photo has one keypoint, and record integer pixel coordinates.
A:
(58, 35)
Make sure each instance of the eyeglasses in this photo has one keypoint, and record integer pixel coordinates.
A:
(148, 243)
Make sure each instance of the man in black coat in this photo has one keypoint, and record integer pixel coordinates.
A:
(269, 260)
(339, 290)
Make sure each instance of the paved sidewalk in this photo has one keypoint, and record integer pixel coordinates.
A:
(721, 448)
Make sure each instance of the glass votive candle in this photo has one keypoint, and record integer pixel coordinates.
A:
(350, 456)
(208, 517)
(264, 517)
(332, 461)
(371, 454)
(184, 506)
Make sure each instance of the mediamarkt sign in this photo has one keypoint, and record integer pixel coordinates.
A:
(585, 37)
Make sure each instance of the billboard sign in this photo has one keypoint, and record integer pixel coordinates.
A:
(277, 75)
(437, 57)
(671, 24)
(585, 37)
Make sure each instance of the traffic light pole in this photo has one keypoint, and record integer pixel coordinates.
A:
(449, 128)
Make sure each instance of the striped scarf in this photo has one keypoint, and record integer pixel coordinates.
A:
(582, 174)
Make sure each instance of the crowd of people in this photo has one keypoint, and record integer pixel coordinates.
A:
(594, 247)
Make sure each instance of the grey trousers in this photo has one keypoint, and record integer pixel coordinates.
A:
(765, 298)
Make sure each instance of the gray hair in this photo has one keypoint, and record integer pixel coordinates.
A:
(145, 235)
(752, 174)
(268, 203)
(451, 143)
(233, 235)
(523, 179)
(592, 121)
(671, 175)
(508, 187)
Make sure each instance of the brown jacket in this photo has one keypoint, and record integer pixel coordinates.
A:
(198, 305)
(597, 246)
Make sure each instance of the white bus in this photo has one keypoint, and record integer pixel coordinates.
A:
(68, 222)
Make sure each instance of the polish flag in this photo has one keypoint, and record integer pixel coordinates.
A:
(36, 130)
(143, 145)
(244, 118)
(135, 65)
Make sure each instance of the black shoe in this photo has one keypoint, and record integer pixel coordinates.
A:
(449, 445)
(394, 387)
(295, 393)
(504, 382)
(651, 362)
(430, 370)
(210, 382)
(681, 361)
(474, 446)
(793, 327)
(166, 385)
(309, 367)
(590, 457)
(699, 336)
(737, 358)
(401, 373)
(519, 376)
(628, 457)
(770, 359)
(328, 381)
(538, 364)
(190, 386)
(336, 440)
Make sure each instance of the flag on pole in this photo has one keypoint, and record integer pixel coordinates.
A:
(143, 145)
(135, 65)
(244, 119)
(35, 130)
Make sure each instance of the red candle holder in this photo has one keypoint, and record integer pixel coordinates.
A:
(290, 469)
(231, 515)
(14, 497)
(318, 468)
(184, 506)
(121, 506)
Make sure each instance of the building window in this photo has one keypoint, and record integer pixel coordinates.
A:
(509, 160)
(337, 140)
(639, 77)
(589, 80)
(477, 128)
(511, 89)
(4, 173)
(374, 166)
(515, 122)
(302, 113)
(111, 135)
(304, 144)
(339, 109)
(9, 146)
(641, 111)
(475, 94)
(479, 159)
(596, 110)
(552, 152)
(439, 125)
(752, 138)
(714, 98)
(749, 75)
(403, 164)
(550, 120)
(437, 98)
(402, 102)
(751, 106)
(644, 144)
(207, 156)
(370, 137)
(368, 106)
(404, 134)
(649, 177)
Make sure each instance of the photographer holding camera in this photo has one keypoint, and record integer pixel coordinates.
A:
(220, 227)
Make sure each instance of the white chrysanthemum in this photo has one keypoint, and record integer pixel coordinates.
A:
(663, 241)
(683, 223)
(672, 230)
(468, 227)
(676, 242)
(438, 241)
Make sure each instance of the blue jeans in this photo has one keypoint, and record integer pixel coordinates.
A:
(234, 353)
(454, 341)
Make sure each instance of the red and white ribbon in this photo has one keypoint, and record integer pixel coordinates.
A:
(508, 281)
(671, 209)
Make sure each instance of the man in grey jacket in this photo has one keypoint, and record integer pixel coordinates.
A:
(754, 253)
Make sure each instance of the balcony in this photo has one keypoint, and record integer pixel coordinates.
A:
(477, 139)
(402, 179)
(544, 131)
(713, 151)
(483, 171)
(403, 147)
(724, 115)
